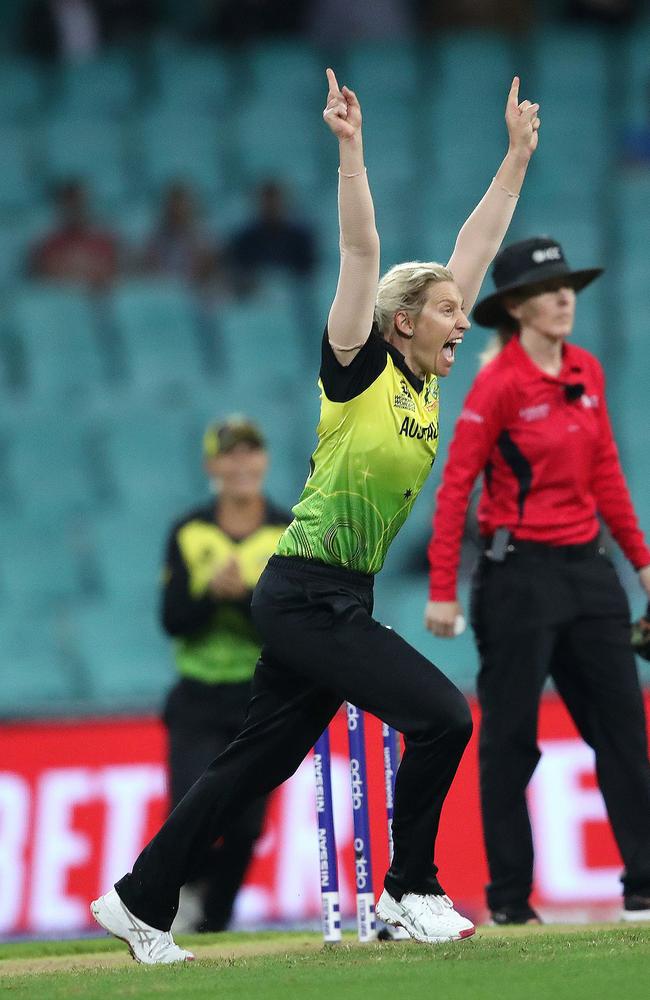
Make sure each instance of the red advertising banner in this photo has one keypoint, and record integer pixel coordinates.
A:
(78, 800)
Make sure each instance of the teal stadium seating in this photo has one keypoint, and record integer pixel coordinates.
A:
(157, 322)
(20, 185)
(21, 90)
(94, 147)
(40, 677)
(58, 329)
(172, 145)
(191, 78)
(104, 86)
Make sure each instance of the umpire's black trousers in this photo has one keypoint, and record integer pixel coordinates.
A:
(321, 647)
(560, 613)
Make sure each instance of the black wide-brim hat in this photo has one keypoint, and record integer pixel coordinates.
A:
(527, 264)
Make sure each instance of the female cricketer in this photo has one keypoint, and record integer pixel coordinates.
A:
(385, 345)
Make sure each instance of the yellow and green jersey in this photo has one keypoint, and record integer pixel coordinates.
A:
(215, 641)
(377, 441)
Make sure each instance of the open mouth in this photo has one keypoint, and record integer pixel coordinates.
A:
(449, 349)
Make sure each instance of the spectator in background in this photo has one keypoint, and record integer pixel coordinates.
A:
(215, 555)
(611, 12)
(75, 30)
(76, 250)
(127, 20)
(178, 247)
(62, 29)
(329, 20)
(240, 20)
(272, 239)
(507, 15)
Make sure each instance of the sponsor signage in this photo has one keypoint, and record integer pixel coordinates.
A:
(78, 800)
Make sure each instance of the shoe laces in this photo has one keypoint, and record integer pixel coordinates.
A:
(161, 944)
(436, 904)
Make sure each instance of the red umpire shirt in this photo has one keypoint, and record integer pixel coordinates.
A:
(550, 463)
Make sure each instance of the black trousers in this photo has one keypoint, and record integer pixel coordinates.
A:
(321, 647)
(202, 719)
(562, 614)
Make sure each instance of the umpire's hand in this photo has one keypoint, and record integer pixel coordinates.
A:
(440, 618)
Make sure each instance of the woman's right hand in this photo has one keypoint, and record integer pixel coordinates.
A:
(342, 112)
(440, 618)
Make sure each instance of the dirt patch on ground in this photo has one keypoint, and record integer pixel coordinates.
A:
(119, 959)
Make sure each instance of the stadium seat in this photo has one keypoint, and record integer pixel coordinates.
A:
(17, 236)
(42, 554)
(103, 86)
(261, 342)
(635, 90)
(37, 677)
(92, 148)
(383, 71)
(157, 323)
(126, 656)
(129, 544)
(391, 160)
(571, 66)
(20, 90)
(58, 328)
(48, 460)
(154, 456)
(265, 151)
(273, 67)
(170, 145)
(19, 188)
(196, 79)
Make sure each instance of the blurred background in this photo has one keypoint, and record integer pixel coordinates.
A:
(169, 250)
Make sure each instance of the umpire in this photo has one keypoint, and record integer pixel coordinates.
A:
(215, 555)
(546, 600)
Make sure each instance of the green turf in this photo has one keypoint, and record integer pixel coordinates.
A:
(525, 964)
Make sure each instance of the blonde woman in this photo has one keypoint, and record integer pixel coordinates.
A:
(384, 347)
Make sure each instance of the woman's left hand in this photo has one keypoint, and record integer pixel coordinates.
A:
(644, 579)
(522, 120)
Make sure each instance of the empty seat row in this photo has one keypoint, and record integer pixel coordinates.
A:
(155, 335)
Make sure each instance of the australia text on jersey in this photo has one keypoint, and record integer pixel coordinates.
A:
(411, 428)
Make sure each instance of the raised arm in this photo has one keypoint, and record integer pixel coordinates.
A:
(352, 310)
(481, 236)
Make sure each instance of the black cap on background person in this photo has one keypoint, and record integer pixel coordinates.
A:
(526, 267)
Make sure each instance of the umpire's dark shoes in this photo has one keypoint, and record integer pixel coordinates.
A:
(636, 908)
(515, 915)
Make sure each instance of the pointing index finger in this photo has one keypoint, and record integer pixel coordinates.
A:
(513, 96)
(332, 81)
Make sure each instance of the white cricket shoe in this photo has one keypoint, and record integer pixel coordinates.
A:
(147, 944)
(430, 919)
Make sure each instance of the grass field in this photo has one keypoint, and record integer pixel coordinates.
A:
(532, 963)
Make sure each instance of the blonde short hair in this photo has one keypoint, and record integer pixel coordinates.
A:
(405, 287)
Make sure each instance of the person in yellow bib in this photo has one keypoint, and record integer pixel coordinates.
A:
(385, 345)
(214, 557)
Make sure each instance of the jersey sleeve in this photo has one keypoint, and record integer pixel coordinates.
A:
(486, 411)
(180, 612)
(344, 382)
(611, 492)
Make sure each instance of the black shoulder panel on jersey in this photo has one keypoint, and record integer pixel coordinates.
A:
(400, 362)
(344, 382)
